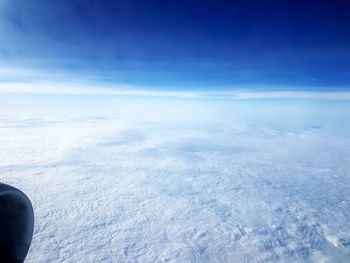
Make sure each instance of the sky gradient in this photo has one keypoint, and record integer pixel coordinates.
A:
(176, 46)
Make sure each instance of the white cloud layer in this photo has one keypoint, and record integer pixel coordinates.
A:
(159, 180)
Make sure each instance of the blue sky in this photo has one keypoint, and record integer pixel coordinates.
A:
(177, 45)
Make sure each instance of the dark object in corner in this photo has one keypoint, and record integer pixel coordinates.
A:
(16, 224)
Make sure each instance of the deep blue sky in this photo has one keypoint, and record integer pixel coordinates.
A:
(182, 44)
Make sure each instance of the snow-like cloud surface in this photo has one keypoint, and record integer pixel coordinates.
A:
(119, 180)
